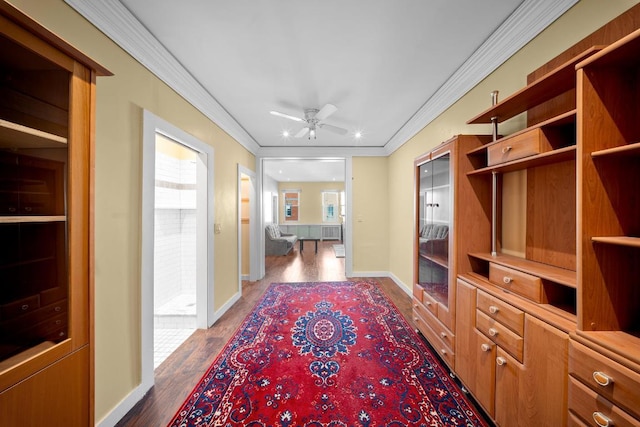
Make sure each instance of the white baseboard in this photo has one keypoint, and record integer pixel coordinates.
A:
(396, 280)
(122, 408)
(401, 284)
(227, 305)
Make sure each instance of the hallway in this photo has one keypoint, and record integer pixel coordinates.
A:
(177, 376)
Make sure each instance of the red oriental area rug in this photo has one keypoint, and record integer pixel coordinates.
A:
(326, 354)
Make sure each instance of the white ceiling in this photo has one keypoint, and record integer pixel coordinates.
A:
(390, 67)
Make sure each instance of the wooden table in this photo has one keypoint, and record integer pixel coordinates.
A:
(303, 239)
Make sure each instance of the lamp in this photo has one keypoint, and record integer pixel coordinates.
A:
(312, 130)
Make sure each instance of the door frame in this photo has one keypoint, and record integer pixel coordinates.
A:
(253, 226)
(261, 200)
(153, 125)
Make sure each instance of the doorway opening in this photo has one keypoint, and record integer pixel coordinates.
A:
(174, 287)
(310, 178)
(177, 255)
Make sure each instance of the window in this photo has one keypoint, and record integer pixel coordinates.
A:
(291, 204)
(330, 206)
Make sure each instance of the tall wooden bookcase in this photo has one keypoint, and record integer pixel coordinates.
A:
(47, 96)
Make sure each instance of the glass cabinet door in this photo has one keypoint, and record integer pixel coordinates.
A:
(434, 216)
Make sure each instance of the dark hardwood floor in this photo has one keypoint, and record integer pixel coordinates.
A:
(177, 376)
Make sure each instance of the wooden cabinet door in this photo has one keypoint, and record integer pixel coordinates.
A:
(465, 323)
(544, 388)
(475, 353)
(535, 392)
(508, 401)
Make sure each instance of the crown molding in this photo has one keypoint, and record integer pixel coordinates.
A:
(525, 23)
(318, 152)
(117, 23)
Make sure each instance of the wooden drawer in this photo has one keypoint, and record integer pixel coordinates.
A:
(443, 332)
(588, 406)
(511, 342)
(519, 146)
(499, 310)
(574, 421)
(17, 324)
(623, 385)
(517, 282)
(417, 292)
(434, 338)
(19, 307)
(430, 303)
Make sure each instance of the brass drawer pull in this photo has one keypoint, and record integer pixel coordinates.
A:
(501, 361)
(493, 332)
(506, 149)
(602, 379)
(507, 280)
(602, 420)
(443, 351)
(25, 307)
(485, 347)
(493, 309)
(443, 334)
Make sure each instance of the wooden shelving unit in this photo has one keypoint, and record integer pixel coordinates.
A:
(46, 137)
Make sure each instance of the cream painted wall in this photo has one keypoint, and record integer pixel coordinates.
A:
(310, 210)
(120, 103)
(371, 213)
(580, 21)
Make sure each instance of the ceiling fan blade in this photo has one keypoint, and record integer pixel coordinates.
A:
(326, 111)
(302, 132)
(334, 129)
(286, 116)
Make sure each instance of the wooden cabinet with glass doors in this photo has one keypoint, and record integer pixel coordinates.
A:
(446, 211)
(47, 91)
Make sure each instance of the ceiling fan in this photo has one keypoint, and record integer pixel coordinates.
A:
(314, 120)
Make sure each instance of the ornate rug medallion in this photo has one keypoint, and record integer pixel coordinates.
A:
(326, 354)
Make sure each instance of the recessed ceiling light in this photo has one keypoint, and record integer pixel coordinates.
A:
(357, 135)
(285, 133)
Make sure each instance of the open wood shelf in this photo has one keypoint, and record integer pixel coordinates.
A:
(619, 240)
(28, 262)
(546, 158)
(27, 219)
(14, 135)
(552, 84)
(624, 150)
(545, 271)
(622, 53)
